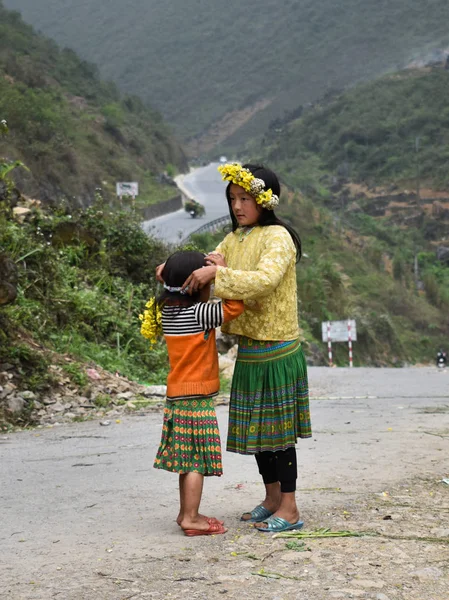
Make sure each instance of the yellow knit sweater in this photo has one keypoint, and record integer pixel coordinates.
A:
(261, 271)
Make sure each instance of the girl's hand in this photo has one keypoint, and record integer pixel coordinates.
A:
(159, 270)
(199, 278)
(217, 259)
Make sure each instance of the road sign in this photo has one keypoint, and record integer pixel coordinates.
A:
(339, 331)
(127, 188)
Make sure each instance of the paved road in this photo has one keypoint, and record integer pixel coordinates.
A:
(76, 495)
(205, 186)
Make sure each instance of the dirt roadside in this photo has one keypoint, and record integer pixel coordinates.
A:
(85, 517)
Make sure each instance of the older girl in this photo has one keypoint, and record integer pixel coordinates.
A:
(269, 406)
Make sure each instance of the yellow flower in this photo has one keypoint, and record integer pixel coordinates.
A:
(235, 173)
(151, 327)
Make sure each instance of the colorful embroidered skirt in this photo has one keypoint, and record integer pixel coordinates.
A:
(190, 441)
(269, 405)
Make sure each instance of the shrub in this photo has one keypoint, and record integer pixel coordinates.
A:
(82, 294)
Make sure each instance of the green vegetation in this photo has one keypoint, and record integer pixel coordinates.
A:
(75, 132)
(83, 279)
(76, 372)
(31, 365)
(183, 57)
(392, 130)
(102, 401)
(344, 273)
(371, 244)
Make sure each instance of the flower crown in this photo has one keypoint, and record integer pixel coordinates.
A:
(151, 327)
(243, 177)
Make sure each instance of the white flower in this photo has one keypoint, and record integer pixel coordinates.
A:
(257, 186)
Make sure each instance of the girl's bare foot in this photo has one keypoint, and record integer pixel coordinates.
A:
(207, 519)
(201, 523)
(213, 529)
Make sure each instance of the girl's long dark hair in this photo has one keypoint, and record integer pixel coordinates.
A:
(177, 269)
(267, 217)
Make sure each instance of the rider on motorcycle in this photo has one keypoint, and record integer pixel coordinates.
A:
(441, 358)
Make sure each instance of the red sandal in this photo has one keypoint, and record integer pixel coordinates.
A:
(214, 529)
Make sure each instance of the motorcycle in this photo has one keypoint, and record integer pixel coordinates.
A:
(441, 359)
(194, 208)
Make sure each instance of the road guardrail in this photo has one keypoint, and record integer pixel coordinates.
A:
(210, 227)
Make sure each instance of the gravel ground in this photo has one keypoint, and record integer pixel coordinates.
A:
(85, 517)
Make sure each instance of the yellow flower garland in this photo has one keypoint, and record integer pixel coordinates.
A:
(235, 173)
(151, 319)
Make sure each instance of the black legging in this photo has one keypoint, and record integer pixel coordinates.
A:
(279, 466)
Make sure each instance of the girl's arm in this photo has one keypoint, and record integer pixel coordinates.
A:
(159, 270)
(210, 315)
(201, 277)
(277, 255)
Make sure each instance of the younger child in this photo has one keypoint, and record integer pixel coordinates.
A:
(190, 443)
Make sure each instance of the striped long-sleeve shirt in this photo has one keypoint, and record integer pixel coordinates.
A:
(190, 336)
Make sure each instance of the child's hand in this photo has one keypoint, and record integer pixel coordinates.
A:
(199, 278)
(217, 259)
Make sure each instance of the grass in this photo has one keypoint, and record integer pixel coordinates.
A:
(76, 373)
(102, 401)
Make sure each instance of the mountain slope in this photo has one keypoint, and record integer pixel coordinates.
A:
(371, 201)
(200, 61)
(75, 132)
(392, 130)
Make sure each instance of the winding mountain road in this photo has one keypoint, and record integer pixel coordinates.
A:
(205, 186)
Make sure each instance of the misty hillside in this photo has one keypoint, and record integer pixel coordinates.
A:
(390, 130)
(367, 170)
(215, 67)
(379, 150)
(74, 131)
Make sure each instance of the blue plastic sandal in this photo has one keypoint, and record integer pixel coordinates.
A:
(258, 514)
(277, 524)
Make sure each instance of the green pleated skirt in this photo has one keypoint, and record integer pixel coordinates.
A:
(269, 403)
(190, 440)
